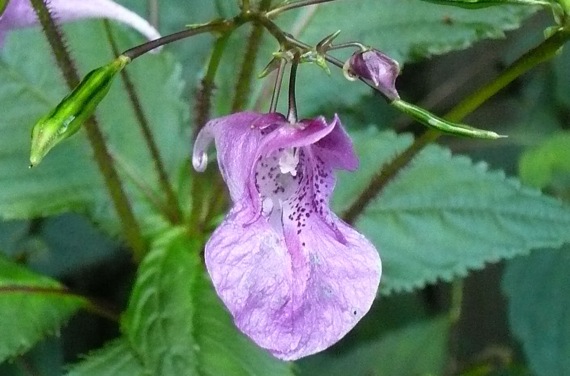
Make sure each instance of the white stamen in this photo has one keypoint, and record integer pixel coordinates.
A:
(288, 161)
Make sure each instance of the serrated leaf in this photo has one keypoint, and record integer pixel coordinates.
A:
(444, 215)
(32, 307)
(68, 179)
(115, 359)
(537, 289)
(415, 349)
(176, 324)
(405, 30)
(547, 164)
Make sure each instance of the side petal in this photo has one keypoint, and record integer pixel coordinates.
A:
(292, 298)
(19, 13)
(336, 149)
(237, 137)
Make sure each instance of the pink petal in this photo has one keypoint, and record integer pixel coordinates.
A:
(237, 138)
(292, 299)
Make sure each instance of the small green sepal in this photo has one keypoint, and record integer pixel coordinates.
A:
(68, 116)
(427, 118)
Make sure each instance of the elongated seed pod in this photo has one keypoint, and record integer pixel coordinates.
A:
(70, 114)
(427, 118)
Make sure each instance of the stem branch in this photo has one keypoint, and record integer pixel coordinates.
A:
(94, 134)
(541, 53)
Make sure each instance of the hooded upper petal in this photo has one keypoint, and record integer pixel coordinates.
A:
(295, 277)
(237, 137)
(19, 13)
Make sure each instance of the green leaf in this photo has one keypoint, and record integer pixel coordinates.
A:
(415, 349)
(443, 215)
(68, 178)
(176, 324)
(32, 307)
(115, 359)
(406, 30)
(539, 302)
(548, 164)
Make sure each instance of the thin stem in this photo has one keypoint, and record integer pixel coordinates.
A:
(172, 206)
(243, 85)
(221, 26)
(207, 84)
(94, 134)
(294, 5)
(90, 304)
(153, 13)
(292, 115)
(277, 86)
(541, 53)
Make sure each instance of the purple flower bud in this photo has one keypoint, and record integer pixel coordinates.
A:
(377, 69)
(294, 276)
(19, 13)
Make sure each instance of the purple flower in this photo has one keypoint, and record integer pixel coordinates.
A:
(377, 68)
(19, 13)
(294, 276)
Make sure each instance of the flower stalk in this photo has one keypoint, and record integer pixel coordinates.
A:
(172, 209)
(94, 134)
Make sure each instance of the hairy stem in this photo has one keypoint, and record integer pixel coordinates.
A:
(541, 53)
(172, 210)
(94, 134)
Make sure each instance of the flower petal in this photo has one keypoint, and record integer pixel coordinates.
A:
(19, 13)
(336, 149)
(293, 299)
(237, 138)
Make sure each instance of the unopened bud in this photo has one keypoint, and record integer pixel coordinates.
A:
(377, 69)
(68, 116)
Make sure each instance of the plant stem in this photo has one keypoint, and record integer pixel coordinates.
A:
(296, 4)
(153, 13)
(277, 87)
(94, 134)
(292, 115)
(243, 86)
(220, 26)
(172, 210)
(541, 53)
(207, 84)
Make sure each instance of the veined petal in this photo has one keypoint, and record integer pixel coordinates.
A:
(19, 13)
(294, 298)
(237, 137)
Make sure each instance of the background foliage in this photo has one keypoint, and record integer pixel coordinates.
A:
(456, 208)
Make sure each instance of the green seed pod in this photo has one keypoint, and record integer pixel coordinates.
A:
(68, 116)
(432, 121)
